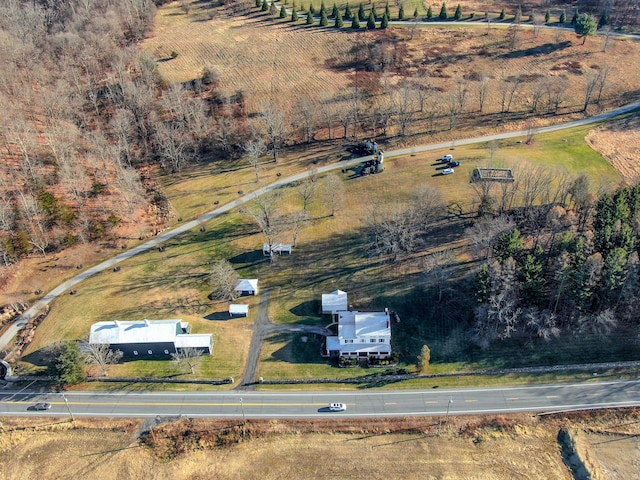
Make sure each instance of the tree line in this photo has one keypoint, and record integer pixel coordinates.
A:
(570, 266)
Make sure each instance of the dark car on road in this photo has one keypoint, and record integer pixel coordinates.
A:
(42, 406)
(453, 164)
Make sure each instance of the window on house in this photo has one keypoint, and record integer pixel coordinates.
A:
(381, 340)
(150, 352)
(373, 340)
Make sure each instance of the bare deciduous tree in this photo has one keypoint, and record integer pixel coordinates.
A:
(436, 270)
(306, 190)
(484, 232)
(100, 354)
(328, 112)
(266, 213)
(306, 113)
(223, 279)
(276, 126)
(188, 356)
(395, 228)
(333, 192)
(254, 149)
(404, 106)
(297, 221)
(499, 317)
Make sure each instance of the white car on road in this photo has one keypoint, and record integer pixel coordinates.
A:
(447, 171)
(337, 407)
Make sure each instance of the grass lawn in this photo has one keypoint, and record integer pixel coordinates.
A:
(331, 253)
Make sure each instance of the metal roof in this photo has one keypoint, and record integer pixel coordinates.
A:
(334, 302)
(137, 331)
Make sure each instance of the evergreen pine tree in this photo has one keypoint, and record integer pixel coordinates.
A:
(384, 23)
(294, 14)
(265, 6)
(323, 19)
(458, 14)
(273, 9)
(69, 364)
(258, 3)
(347, 12)
(574, 20)
(502, 15)
(604, 19)
(334, 11)
(443, 12)
(415, 13)
(373, 10)
(309, 19)
(312, 9)
(323, 10)
(401, 13)
(361, 14)
(563, 17)
(355, 23)
(371, 21)
(387, 11)
(429, 13)
(283, 12)
(547, 17)
(339, 23)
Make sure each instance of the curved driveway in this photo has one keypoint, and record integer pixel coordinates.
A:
(66, 285)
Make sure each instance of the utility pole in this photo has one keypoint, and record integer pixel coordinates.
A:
(66, 402)
(446, 418)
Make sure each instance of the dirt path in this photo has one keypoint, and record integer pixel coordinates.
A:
(262, 328)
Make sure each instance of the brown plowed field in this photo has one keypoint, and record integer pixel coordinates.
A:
(619, 142)
(267, 58)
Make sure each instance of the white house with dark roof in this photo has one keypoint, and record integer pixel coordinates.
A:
(361, 335)
(149, 338)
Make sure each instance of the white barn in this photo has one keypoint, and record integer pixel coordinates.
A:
(149, 338)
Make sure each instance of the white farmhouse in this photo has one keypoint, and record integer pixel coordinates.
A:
(361, 335)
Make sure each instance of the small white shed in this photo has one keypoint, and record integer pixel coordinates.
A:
(238, 310)
(247, 286)
(276, 249)
(335, 301)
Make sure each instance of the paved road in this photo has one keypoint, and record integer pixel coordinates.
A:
(35, 310)
(431, 402)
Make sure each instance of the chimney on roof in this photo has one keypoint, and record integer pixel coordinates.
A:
(146, 322)
(116, 323)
